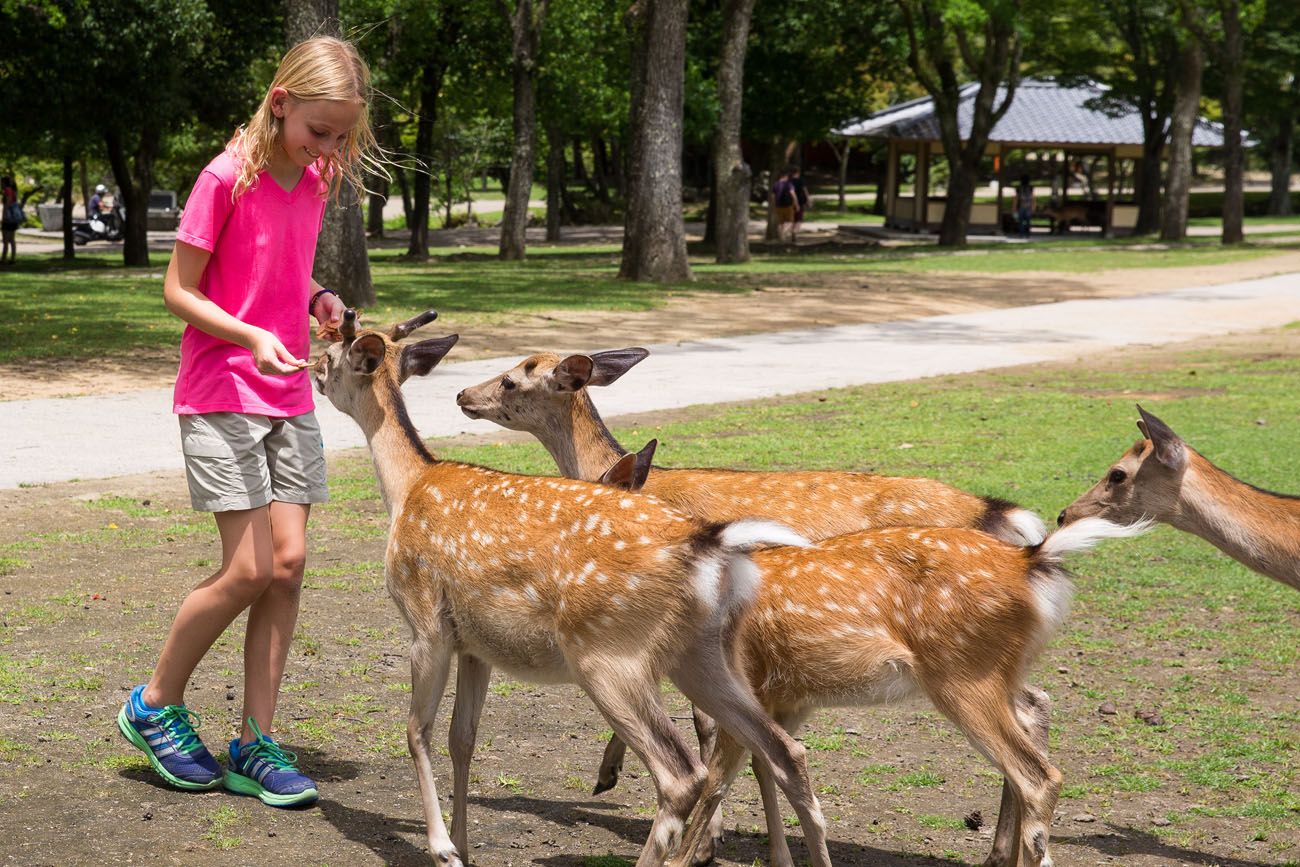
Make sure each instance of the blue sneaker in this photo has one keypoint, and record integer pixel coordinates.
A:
(263, 768)
(166, 736)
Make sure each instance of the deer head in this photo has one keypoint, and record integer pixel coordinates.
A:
(542, 387)
(1144, 482)
(353, 366)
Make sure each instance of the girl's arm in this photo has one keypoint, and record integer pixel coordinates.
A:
(183, 299)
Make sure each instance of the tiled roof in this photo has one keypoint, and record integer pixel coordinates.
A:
(1042, 112)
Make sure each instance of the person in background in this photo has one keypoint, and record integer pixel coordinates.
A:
(96, 204)
(1024, 205)
(801, 199)
(784, 201)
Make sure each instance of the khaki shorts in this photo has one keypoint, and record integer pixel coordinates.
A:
(236, 460)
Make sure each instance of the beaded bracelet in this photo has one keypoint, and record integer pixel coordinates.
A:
(311, 305)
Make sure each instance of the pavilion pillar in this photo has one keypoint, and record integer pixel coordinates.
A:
(891, 183)
(999, 176)
(920, 211)
(1108, 231)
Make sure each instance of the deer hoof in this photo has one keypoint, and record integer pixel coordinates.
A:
(447, 858)
(605, 784)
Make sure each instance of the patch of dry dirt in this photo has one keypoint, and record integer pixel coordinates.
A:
(819, 299)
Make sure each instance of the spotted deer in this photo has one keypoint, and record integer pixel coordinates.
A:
(556, 581)
(546, 395)
(881, 615)
(1164, 478)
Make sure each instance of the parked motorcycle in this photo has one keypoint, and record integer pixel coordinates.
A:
(100, 227)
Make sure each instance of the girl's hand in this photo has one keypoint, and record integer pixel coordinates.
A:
(271, 357)
(330, 310)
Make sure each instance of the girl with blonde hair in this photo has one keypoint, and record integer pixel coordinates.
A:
(240, 277)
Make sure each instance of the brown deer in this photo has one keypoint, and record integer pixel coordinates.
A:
(1164, 478)
(554, 581)
(879, 615)
(546, 395)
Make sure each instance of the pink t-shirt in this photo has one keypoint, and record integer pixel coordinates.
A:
(262, 247)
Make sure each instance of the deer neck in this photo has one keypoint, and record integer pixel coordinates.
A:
(398, 453)
(1257, 528)
(583, 448)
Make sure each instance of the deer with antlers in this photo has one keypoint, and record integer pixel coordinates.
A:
(1164, 478)
(546, 395)
(880, 615)
(556, 580)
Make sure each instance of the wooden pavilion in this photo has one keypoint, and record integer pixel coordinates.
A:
(1044, 116)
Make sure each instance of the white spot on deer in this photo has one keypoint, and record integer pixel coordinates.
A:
(644, 540)
(592, 520)
(605, 528)
(626, 503)
(619, 545)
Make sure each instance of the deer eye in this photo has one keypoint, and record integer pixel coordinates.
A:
(1117, 476)
(508, 384)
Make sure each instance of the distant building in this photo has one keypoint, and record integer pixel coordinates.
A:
(1044, 116)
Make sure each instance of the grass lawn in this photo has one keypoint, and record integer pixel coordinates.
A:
(1163, 621)
(96, 307)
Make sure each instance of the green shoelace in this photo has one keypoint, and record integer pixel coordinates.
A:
(180, 724)
(268, 750)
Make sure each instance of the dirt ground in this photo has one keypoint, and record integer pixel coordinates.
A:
(91, 571)
(819, 299)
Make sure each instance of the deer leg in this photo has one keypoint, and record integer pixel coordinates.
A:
(611, 765)
(726, 759)
(704, 674)
(472, 675)
(1033, 708)
(430, 665)
(777, 847)
(628, 697)
(986, 715)
(706, 731)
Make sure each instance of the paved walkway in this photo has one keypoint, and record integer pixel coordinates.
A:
(92, 437)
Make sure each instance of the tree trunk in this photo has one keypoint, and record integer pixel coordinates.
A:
(842, 153)
(600, 167)
(956, 212)
(1280, 157)
(654, 236)
(418, 248)
(554, 181)
(133, 185)
(1148, 182)
(731, 174)
(526, 27)
(85, 188)
(1231, 62)
(69, 249)
(342, 260)
(1187, 98)
(375, 212)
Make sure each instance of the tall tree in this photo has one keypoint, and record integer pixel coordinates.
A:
(979, 36)
(654, 235)
(1219, 28)
(1187, 101)
(342, 261)
(196, 57)
(526, 23)
(730, 171)
(1272, 98)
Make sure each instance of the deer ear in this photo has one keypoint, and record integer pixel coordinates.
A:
(366, 354)
(610, 365)
(572, 373)
(1169, 448)
(643, 460)
(420, 358)
(622, 474)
